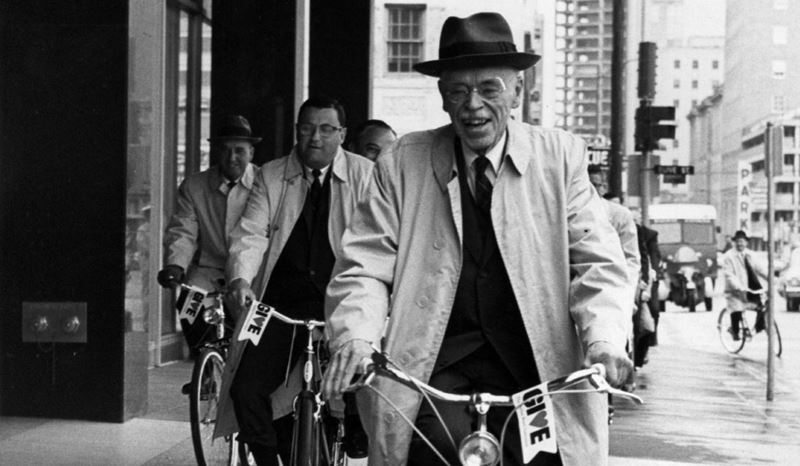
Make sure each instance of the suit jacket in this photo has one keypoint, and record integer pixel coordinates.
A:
(275, 204)
(405, 242)
(197, 234)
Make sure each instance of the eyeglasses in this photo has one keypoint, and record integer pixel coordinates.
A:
(325, 130)
(488, 90)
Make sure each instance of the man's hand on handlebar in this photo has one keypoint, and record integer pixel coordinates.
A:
(239, 297)
(618, 365)
(343, 366)
(170, 276)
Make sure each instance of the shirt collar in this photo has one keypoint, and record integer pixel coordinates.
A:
(246, 179)
(322, 173)
(494, 155)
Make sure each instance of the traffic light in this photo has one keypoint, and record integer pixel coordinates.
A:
(647, 70)
(649, 128)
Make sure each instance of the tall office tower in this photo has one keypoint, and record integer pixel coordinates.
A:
(584, 39)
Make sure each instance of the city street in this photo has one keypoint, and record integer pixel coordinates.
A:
(702, 406)
(705, 406)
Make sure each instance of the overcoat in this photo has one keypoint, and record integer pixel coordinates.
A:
(273, 208)
(206, 211)
(735, 274)
(562, 255)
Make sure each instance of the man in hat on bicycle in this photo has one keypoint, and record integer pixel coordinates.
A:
(741, 276)
(491, 255)
(208, 206)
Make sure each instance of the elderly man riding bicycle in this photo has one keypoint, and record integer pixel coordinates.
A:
(501, 265)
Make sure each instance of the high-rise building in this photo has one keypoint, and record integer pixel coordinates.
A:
(583, 41)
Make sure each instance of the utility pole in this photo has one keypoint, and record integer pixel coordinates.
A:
(773, 163)
(615, 154)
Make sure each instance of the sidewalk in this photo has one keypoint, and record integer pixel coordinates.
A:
(703, 406)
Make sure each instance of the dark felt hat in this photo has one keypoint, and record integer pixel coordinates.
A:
(483, 39)
(234, 127)
(740, 234)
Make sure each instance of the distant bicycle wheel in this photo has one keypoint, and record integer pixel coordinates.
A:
(732, 343)
(203, 399)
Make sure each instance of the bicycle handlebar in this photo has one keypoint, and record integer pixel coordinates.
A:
(379, 364)
(305, 322)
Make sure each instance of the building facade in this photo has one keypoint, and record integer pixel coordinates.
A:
(690, 41)
(762, 85)
(705, 149)
(104, 107)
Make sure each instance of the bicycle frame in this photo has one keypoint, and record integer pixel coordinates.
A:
(308, 434)
(532, 407)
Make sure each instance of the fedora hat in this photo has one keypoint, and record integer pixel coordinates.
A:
(483, 39)
(234, 127)
(740, 234)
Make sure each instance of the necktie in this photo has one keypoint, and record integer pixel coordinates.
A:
(316, 187)
(483, 187)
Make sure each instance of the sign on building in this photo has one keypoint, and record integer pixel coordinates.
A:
(744, 197)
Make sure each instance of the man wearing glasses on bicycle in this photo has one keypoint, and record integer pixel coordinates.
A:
(501, 264)
(282, 253)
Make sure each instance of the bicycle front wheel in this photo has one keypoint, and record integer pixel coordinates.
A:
(203, 399)
(733, 343)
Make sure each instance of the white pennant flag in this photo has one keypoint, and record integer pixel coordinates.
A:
(535, 413)
(256, 321)
(190, 302)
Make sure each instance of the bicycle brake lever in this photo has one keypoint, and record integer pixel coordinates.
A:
(603, 386)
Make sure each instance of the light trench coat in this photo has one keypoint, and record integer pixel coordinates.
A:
(406, 242)
(206, 212)
(735, 274)
(273, 208)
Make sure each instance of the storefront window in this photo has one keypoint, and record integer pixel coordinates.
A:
(168, 105)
